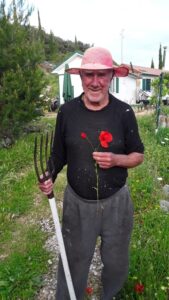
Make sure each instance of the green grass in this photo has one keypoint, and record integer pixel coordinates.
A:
(149, 256)
(23, 259)
(21, 272)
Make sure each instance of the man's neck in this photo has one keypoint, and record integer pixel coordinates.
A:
(95, 105)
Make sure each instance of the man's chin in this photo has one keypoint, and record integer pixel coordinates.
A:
(96, 98)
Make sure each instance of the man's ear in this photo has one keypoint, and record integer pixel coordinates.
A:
(112, 74)
(80, 73)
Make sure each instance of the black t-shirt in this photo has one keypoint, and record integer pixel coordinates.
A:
(71, 148)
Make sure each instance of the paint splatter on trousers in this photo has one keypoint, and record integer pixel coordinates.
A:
(83, 222)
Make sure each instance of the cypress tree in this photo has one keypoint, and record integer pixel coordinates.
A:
(164, 55)
(160, 65)
(152, 64)
(76, 43)
(39, 22)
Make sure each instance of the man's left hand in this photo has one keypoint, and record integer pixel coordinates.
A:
(105, 160)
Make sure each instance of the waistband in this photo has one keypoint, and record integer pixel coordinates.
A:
(70, 190)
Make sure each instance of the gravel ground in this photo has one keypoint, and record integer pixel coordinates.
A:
(47, 292)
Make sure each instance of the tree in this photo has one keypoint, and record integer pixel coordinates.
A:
(39, 21)
(164, 55)
(160, 65)
(76, 43)
(156, 87)
(152, 64)
(21, 79)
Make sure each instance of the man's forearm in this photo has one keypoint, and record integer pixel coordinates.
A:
(107, 160)
(129, 161)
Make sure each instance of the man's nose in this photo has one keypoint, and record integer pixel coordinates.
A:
(95, 80)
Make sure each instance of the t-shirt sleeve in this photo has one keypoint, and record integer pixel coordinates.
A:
(133, 142)
(58, 156)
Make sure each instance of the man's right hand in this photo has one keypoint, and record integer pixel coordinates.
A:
(46, 186)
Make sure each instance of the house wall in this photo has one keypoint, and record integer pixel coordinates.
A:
(127, 89)
(75, 79)
(143, 88)
(76, 83)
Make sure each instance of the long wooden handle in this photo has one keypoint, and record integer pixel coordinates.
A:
(59, 236)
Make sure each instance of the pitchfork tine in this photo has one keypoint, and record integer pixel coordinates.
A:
(35, 159)
(41, 157)
(51, 142)
(46, 149)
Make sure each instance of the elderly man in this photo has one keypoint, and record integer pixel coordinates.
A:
(97, 137)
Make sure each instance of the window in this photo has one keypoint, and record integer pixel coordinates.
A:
(115, 85)
(146, 85)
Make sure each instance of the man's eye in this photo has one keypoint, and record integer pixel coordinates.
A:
(89, 74)
(101, 75)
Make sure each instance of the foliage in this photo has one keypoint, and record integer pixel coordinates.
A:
(57, 49)
(162, 57)
(23, 258)
(160, 64)
(21, 79)
(19, 98)
(149, 256)
(24, 267)
(50, 92)
(164, 110)
(164, 87)
(152, 64)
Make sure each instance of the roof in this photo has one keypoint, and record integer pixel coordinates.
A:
(144, 70)
(70, 59)
(135, 70)
(149, 71)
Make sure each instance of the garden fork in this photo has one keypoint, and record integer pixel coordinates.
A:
(44, 164)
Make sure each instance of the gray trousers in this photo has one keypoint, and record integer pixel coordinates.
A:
(83, 221)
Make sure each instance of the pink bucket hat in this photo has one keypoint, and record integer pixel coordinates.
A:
(97, 58)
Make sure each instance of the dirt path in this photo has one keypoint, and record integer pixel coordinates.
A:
(48, 290)
(144, 112)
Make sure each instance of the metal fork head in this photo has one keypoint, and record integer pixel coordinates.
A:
(42, 151)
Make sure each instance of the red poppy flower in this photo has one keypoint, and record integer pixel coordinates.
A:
(139, 288)
(83, 135)
(89, 290)
(105, 138)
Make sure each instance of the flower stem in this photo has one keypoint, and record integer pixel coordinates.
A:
(90, 143)
(97, 180)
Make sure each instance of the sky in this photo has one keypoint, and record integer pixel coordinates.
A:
(132, 30)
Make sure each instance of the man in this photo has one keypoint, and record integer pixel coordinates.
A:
(97, 137)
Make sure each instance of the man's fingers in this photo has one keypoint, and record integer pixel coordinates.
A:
(46, 186)
(105, 160)
(103, 166)
(102, 157)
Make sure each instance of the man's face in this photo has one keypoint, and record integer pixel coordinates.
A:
(96, 84)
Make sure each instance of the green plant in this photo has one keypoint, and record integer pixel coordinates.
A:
(164, 110)
(21, 272)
